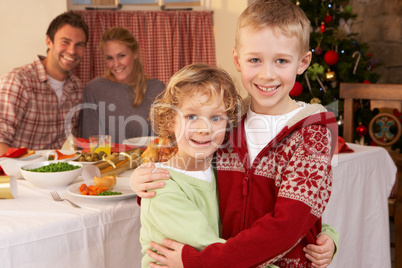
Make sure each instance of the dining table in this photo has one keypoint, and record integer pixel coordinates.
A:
(36, 231)
(358, 206)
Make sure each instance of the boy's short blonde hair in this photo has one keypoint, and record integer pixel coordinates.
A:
(191, 80)
(282, 15)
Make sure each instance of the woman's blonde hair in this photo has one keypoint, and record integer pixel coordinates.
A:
(138, 79)
(191, 80)
(282, 15)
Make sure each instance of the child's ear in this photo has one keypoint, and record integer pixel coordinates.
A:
(236, 59)
(304, 63)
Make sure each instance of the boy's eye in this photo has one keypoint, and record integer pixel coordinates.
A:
(281, 61)
(217, 118)
(255, 60)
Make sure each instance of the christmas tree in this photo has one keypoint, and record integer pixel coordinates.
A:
(337, 57)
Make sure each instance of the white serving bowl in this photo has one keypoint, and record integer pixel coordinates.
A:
(50, 179)
(12, 166)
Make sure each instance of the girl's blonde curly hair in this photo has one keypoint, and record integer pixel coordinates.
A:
(191, 80)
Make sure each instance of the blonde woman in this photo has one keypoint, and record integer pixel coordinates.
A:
(118, 103)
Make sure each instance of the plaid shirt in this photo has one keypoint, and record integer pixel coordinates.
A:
(30, 115)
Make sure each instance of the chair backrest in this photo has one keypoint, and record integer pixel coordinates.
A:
(380, 96)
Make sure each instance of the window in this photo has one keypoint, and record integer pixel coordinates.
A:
(136, 4)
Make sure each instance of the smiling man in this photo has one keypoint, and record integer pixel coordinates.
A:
(35, 99)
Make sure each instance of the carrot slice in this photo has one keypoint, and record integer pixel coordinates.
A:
(60, 155)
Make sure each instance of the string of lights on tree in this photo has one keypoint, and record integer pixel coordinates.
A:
(337, 57)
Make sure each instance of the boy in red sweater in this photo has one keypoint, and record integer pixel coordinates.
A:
(274, 177)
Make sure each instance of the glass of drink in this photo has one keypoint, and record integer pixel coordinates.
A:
(98, 143)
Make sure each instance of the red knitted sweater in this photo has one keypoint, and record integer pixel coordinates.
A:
(271, 209)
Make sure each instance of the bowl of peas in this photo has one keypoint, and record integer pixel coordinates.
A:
(51, 174)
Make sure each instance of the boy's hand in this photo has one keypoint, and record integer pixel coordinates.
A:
(169, 254)
(147, 177)
(320, 254)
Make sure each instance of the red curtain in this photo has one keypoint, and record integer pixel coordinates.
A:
(169, 40)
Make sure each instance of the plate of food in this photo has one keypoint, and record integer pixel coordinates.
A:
(140, 142)
(60, 155)
(86, 158)
(109, 188)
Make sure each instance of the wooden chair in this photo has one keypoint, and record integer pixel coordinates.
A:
(380, 96)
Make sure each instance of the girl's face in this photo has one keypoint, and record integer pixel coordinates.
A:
(269, 62)
(119, 60)
(200, 130)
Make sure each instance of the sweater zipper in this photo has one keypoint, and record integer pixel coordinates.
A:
(245, 184)
(245, 196)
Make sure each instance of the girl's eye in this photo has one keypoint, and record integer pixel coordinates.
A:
(122, 55)
(281, 61)
(192, 117)
(255, 60)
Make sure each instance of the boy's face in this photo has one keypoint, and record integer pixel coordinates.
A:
(200, 130)
(269, 62)
(66, 52)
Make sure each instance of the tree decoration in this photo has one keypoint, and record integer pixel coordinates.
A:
(318, 50)
(296, 90)
(346, 26)
(322, 27)
(357, 61)
(314, 70)
(330, 75)
(331, 57)
(361, 130)
(315, 101)
(308, 82)
(340, 121)
(348, 9)
(328, 19)
(322, 83)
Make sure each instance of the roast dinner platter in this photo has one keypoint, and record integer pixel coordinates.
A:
(106, 177)
(124, 189)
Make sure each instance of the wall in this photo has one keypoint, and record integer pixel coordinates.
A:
(379, 24)
(23, 25)
(226, 13)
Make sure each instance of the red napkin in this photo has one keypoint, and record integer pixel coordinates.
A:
(341, 147)
(116, 148)
(13, 153)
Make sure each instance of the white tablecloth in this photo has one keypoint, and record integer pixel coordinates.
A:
(36, 231)
(358, 207)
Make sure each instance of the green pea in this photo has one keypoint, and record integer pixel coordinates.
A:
(110, 193)
(55, 167)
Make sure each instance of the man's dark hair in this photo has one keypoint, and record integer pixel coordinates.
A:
(70, 18)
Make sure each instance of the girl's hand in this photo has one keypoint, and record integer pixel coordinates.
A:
(320, 254)
(147, 177)
(169, 254)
